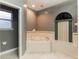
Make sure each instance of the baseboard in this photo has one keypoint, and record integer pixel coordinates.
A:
(8, 51)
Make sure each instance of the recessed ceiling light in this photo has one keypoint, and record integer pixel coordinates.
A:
(33, 6)
(25, 5)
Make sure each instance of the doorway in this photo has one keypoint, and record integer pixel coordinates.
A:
(63, 27)
(9, 31)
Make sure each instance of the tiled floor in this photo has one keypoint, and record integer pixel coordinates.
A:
(46, 56)
(12, 55)
(37, 56)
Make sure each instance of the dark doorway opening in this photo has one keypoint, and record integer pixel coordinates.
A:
(10, 33)
(64, 16)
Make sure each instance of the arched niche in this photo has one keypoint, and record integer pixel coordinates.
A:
(63, 17)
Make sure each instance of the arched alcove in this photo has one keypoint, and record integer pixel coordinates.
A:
(63, 17)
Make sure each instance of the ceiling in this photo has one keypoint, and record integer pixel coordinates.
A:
(38, 5)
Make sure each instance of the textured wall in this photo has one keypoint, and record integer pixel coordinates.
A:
(31, 19)
(48, 24)
(44, 22)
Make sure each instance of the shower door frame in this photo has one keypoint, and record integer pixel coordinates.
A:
(19, 25)
(70, 28)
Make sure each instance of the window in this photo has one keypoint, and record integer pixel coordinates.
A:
(5, 20)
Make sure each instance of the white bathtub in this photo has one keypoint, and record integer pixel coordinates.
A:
(44, 42)
(39, 42)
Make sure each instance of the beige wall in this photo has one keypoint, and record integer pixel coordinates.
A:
(47, 24)
(31, 20)
(44, 22)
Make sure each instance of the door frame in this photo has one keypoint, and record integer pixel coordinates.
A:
(70, 29)
(19, 24)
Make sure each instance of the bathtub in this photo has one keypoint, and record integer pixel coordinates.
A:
(44, 42)
(39, 42)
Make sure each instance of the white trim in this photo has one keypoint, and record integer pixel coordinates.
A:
(20, 24)
(9, 4)
(8, 51)
(20, 34)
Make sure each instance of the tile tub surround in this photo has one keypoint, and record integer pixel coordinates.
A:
(38, 46)
(38, 42)
(56, 46)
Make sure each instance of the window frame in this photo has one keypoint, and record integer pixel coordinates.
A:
(7, 19)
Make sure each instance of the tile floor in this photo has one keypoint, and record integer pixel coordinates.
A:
(37, 56)
(12, 55)
(46, 56)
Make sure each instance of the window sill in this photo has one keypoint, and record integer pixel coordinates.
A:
(1, 29)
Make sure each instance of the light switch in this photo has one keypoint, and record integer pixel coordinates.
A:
(76, 24)
(4, 43)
